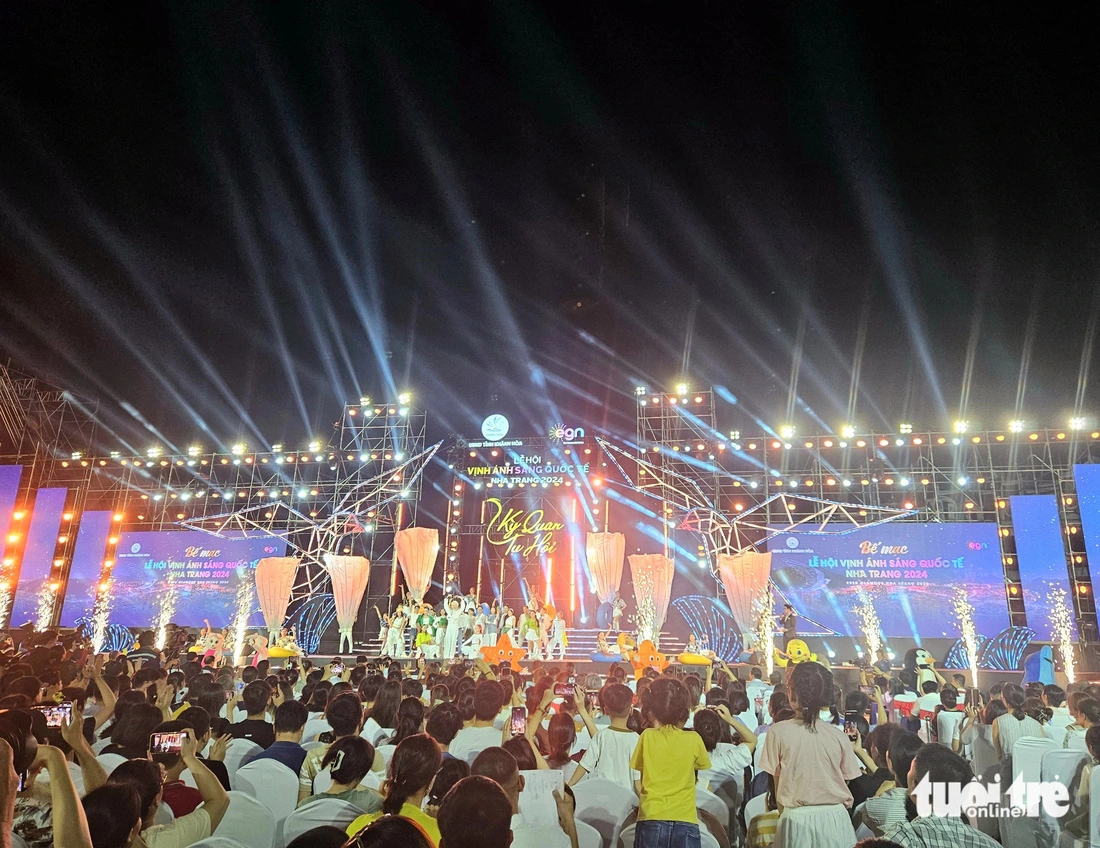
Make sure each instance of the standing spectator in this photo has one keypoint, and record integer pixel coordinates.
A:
(666, 760)
(608, 754)
(1015, 724)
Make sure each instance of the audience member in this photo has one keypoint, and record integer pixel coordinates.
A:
(290, 721)
(255, 728)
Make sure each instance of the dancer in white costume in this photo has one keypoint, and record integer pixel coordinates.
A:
(472, 649)
(450, 638)
(557, 638)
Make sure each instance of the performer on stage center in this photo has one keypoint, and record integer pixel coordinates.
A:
(617, 607)
(789, 622)
(451, 637)
(508, 626)
(557, 638)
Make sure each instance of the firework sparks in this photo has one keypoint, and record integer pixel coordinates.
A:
(167, 610)
(240, 620)
(868, 622)
(964, 615)
(1062, 628)
(101, 616)
(47, 600)
(763, 606)
(5, 601)
(645, 619)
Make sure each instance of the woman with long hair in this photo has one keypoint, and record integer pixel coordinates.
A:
(414, 765)
(390, 832)
(348, 760)
(410, 720)
(382, 717)
(130, 736)
(1085, 712)
(812, 761)
(560, 736)
(126, 701)
(1015, 724)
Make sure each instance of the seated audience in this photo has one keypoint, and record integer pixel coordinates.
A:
(477, 813)
(348, 760)
(290, 721)
(480, 734)
(412, 769)
(255, 727)
(500, 766)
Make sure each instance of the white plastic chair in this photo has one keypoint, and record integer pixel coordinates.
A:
(330, 811)
(311, 746)
(757, 753)
(386, 752)
(164, 814)
(604, 805)
(1059, 766)
(588, 836)
(1094, 809)
(754, 807)
(322, 781)
(1055, 732)
(188, 779)
(248, 822)
(1027, 757)
(372, 780)
(99, 745)
(707, 800)
(273, 784)
(314, 728)
(110, 762)
(237, 753)
(217, 842)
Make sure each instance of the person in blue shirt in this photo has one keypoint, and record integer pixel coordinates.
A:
(290, 721)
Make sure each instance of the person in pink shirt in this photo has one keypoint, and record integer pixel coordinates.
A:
(811, 762)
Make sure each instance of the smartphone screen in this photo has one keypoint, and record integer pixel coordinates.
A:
(563, 690)
(166, 743)
(850, 727)
(590, 700)
(869, 691)
(338, 668)
(518, 724)
(240, 686)
(56, 713)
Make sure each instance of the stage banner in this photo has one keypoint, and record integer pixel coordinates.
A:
(417, 549)
(605, 552)
(652, 575)
(908, 571)
(274, 582)
(744, 577)
(1041, 558)
(349, 581)
(204, 570)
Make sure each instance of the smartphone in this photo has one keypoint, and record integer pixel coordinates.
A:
(850, 727)
(166, 743)
(591, 699)
(869, 691)
(518, 722)
(973, 697)
(563, 690)
(56, 713)
(338, 668)
(240, 686)
(571, 680)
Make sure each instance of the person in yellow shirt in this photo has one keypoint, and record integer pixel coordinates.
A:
(667, 757)
(413, 767)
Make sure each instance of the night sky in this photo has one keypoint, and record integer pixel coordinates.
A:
(228, 219)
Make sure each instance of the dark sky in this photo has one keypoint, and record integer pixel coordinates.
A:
(227, 219)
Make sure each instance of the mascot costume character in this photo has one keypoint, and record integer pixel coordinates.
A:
(920, 663)
(797, 652)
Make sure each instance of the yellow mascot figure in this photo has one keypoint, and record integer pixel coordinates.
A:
(797, 652)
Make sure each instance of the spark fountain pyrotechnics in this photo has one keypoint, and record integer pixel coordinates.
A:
(1062, 627)
(764, 605)
(964, 615)
(101, 615)
(47, 600)
(868, 622)
(240, 621)
(164, 614)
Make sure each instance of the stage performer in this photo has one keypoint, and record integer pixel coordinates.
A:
(604, 647)
(617, 607)
(383, 629)
(557, 638)
(451, 637)
(492, 624)
(789, 622)
(214, 644)
(389, 647)
(471, 649)
(259, 647)
(530, 625)
(440, 626)
(400, 623)
(508, 626)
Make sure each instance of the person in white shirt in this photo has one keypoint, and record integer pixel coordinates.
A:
(472, 740)
(727, 760)
(472, 647)
(608, 754)
(557, 638)
(500, 766)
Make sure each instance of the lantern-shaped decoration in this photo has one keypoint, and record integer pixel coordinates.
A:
(744, 577)
(652, 574)
(605, 562)
(274, 582)
(417, 549)
(349, 581)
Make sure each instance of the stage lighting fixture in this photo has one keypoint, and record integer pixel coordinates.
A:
(153, 452)
(405, 398)
(961, 481)
(315, 446)
(640, 391)
(848, 431)
(237, 449)
(682, 388)
(1016, 426)
(1075, 423)
(194, 450)
(77, 454)
(116, 454)
(186, 496)
(961, 426)
(905, 429)
(364, 401)
(158, 497)
(787, 431)
(404, 410)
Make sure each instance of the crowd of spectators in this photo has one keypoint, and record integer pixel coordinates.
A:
(117, 751)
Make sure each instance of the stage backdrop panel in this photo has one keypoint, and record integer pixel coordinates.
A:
(1087, 478)
(87, 565)
(1041, 557)
(207, 571)
(38, 555)
(909, 571)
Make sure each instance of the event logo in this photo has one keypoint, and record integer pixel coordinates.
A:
(566, 435)
(1023, 798)
(521, 532)
(134, 548)
(792, 542)
(495, 427)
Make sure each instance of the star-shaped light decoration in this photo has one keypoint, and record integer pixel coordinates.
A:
(504, 651)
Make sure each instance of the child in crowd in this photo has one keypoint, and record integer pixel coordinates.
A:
(812, 762)
(666, 759)
(609, 753)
